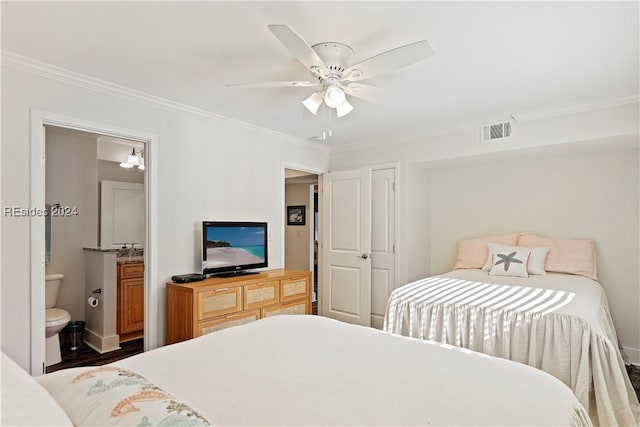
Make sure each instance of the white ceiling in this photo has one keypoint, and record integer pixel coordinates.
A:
(493, 59)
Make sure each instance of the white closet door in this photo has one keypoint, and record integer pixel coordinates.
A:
(382, 242)
(346, 278)
(121, 213)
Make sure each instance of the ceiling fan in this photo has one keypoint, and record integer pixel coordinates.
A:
(335, 75)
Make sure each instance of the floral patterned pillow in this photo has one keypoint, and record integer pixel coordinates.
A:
(108, 396)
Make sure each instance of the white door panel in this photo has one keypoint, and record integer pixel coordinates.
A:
(345, 215)
(345, 292)
(379, 291)
(346, 283)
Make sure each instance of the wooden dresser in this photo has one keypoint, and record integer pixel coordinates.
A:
(130, 301)
(198, 308)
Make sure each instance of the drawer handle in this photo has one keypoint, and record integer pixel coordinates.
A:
(220, 290)
(229, 316)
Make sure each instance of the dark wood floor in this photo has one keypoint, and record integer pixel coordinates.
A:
(634, 376)
(86, 356)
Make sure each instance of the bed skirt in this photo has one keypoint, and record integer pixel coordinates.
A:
(582, 356)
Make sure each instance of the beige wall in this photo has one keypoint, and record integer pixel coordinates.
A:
(75, 185)
(557, 194)
(297, 238)
(111, 171)
(416, 229)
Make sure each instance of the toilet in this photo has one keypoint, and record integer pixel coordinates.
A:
(55, 319)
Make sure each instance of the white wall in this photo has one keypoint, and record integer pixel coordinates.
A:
(586, 162)
(207, 169)
(297, 250)
(562, 195)
(74, 185)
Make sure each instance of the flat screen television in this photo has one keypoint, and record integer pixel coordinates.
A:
(231, 248)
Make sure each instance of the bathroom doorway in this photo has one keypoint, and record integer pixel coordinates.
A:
(69, 128)
(301, 236)
(97, 221)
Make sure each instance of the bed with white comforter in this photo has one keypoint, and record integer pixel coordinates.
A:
(559, 323)
(310, 370)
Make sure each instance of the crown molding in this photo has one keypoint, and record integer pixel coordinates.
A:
(52, 72)
(475, 124)
(574, 109)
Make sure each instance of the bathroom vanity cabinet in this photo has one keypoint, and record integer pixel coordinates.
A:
(130, 316)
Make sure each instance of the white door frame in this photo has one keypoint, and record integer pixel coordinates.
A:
(398, 238)
(39, 119)
(311, 215)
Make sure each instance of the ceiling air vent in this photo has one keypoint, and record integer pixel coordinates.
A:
(496, 131)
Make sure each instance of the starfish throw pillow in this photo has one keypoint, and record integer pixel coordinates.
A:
(510, 263)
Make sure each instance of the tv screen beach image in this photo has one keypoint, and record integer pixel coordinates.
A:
(230, 246)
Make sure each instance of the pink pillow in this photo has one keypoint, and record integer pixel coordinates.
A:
(572, 256)
(473, 253)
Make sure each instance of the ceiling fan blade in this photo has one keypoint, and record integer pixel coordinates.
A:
(389, 61)
(375, 94)
(297, 46)
(286, 83)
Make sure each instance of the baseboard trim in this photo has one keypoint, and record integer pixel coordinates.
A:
(633, 354)
(101, 344)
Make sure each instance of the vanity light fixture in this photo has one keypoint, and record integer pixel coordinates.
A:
(133, 160)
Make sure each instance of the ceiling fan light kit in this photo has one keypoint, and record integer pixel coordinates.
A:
(334, 97)
(313, 102)
(333, 71)
(344, 109)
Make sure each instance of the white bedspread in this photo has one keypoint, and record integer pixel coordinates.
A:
(310, 370)
(557, 323)
(25, 402)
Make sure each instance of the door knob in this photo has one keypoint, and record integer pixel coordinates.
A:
(363, 256)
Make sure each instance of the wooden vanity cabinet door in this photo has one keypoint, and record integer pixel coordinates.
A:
(132, 313)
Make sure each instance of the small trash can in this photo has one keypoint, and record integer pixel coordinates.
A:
(73, 334)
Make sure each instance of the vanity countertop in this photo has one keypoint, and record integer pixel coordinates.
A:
(102, 249)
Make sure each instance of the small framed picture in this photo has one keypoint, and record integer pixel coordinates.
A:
(295, 215)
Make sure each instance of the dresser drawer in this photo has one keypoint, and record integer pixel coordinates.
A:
(261, 294)
(129, 271)
(295, 307)
(218, 302)
(206, 327)
(295, 288)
